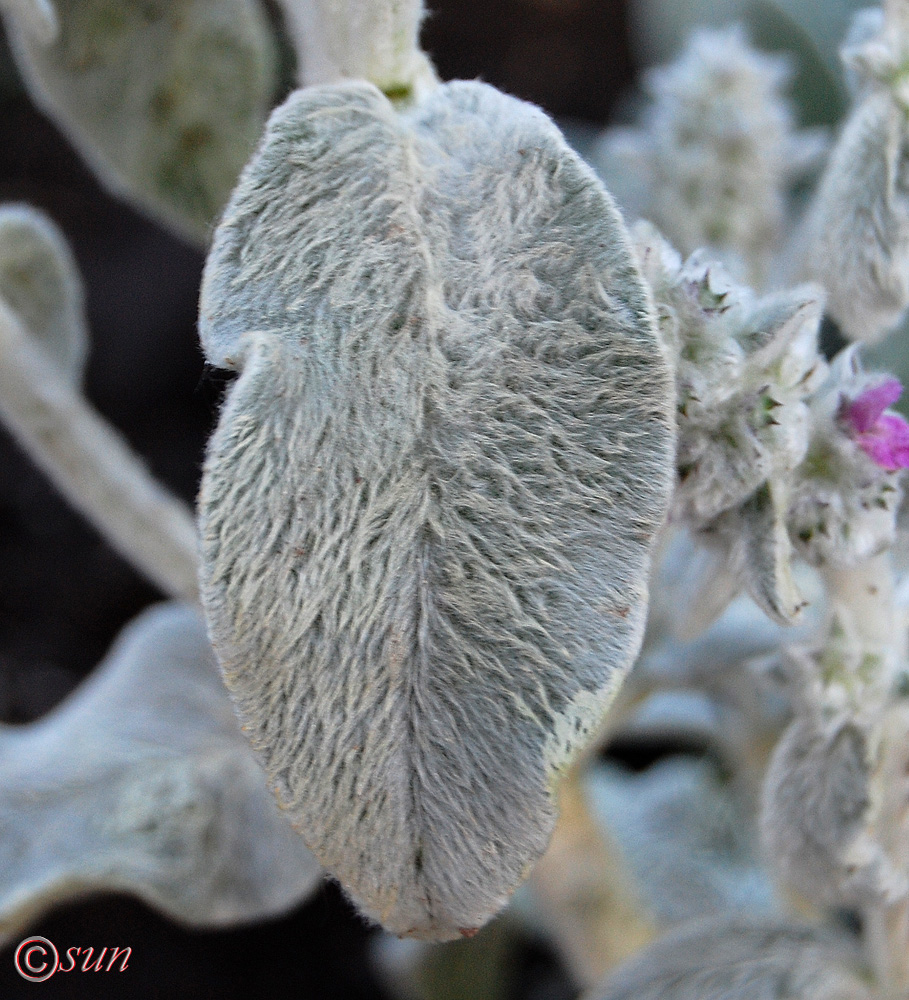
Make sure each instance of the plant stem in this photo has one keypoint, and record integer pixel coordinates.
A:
(93, 466)
(374, 40)
(863, 596)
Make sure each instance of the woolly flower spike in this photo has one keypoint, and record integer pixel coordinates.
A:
(744, 368)
(374, 40)
(733, 958)
(165, 99)
(847, 492)
(856, 237)
(141, 782)
(714, 153)
(428, 508)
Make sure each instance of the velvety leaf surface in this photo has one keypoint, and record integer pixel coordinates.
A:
(428, 507)
(164, 98)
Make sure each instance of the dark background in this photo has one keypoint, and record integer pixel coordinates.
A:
(64, 594)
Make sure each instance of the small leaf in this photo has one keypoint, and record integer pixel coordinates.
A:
(764, 552)
(141, 782)
(428, 507)
(165, 99)
(40, 282)
(731, 958)
(856, 241)
(816, 797)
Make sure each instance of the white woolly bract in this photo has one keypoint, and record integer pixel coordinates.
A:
(165, 99)
(816, 798)
(374, 40)
(745, 367)
(856, 238)
(427, 510)
(141, 782)
(732, 958)
(40, 282)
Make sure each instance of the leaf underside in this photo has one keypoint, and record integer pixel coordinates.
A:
(428, 507)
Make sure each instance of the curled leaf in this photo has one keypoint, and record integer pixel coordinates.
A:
(40, 282)
(428, 507)
(736, 959)
(141, 782)
(764, 554)
(164, 98)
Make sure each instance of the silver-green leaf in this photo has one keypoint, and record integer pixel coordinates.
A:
(165, 99)
(142, 783)
(428, 508)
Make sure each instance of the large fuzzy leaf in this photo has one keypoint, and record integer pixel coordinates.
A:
(164, 98)
(428, 507)
(141, 782)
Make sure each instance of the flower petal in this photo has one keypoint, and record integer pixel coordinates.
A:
(864, 411)
(888, 442)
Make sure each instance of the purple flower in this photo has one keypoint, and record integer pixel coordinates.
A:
(884, 437)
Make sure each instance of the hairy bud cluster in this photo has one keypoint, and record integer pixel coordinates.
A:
(775, 448)
(744, 369)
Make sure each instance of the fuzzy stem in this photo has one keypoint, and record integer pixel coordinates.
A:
(584, 892)
(93, 466)
(864, 598)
